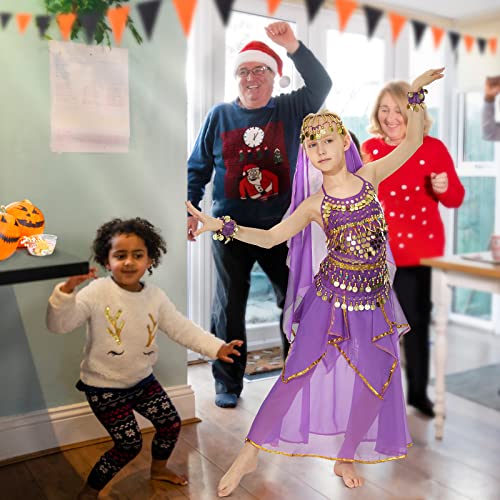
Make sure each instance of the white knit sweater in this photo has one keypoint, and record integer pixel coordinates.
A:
(120, 348)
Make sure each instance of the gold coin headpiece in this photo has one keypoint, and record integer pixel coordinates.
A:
(317, 125)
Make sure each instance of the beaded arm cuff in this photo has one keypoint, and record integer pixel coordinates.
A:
(416, 99)
(228, 230)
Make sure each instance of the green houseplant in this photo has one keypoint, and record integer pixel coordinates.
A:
(103, 30)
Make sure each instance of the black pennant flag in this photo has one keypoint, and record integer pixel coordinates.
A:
(418, 30)
(224, 7)
(372, 18)
(148, 12)
(454, 39)
(42, 23)
(312, 8)
(5, 18)
(481, 43)
(89, 23)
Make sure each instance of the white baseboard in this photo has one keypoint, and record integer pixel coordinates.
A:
(65, 425)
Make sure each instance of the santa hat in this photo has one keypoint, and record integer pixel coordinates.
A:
(260, 52)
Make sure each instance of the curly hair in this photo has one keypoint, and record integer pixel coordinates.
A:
(142, 228)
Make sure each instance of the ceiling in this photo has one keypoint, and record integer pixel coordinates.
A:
(459, 10)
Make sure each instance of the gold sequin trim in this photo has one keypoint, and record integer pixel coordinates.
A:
(313, 455)
(113, 321)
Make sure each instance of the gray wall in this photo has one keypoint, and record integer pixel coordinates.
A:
(77, 192)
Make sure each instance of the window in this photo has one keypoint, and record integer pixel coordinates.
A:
(475, 220)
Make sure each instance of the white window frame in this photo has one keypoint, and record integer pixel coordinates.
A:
(477, 169)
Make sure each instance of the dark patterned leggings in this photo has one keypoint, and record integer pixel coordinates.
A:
(114, 408)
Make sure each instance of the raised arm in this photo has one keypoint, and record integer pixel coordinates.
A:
(306, 212)
(412, 141)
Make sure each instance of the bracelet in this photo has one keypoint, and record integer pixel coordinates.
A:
(416, 99)
(227, 231)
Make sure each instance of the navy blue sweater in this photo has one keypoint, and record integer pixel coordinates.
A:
(253, 178)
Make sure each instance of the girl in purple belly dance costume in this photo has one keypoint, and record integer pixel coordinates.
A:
(340, 395)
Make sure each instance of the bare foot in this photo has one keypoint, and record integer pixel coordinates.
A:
(165, 474)
(245, 462)
(87, 493)
(348, 474)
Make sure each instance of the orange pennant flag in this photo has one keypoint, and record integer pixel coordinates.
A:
(185, 11)
(22, 21)
(397, 23)
(437, 34)
(345, 8)
(492, 43)
(272, 5)
(469, 42)
(65, 22)
(118, 18)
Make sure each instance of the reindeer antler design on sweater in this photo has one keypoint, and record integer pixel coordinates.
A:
(113, 321)
(151, 330)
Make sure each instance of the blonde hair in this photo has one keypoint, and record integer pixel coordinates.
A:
(314, 125)
(398, 91)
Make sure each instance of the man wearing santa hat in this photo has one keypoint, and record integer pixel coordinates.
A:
(255, 133)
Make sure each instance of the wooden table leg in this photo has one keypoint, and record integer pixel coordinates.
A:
(441, 300)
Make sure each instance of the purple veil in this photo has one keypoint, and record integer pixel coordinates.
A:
(307, 248)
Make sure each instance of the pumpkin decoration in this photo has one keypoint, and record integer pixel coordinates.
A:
(9, 234)
(29, 217)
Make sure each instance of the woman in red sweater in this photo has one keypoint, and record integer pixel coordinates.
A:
(410, 198)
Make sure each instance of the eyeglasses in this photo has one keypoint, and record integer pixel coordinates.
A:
(257, 71)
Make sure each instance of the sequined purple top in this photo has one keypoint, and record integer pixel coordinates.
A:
(354, 275)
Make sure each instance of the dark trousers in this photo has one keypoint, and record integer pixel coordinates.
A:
(115, 408)
(413, 289)
(233, 265)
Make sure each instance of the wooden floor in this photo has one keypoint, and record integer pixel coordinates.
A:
(465, 465)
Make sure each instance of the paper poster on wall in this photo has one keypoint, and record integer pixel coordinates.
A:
(90, 98)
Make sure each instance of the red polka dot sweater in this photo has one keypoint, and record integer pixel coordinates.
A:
(411, 210)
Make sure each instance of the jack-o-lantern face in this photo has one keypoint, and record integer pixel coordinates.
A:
(9, 235)
(29, 217)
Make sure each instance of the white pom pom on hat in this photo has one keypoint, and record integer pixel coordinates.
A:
(260, 52)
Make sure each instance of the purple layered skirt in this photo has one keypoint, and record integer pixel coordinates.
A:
(340, 394)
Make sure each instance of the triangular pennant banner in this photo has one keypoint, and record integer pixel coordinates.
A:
(373, 16)
(118, 18)
(272, 5)
(492, 43)
(5, 18)
(437, 35)
(89, 23)
(418, 30)
(454, 39)
(149, 11)
(42, 23)
(312, 8)
(224, 8)
(469, 42)
(345, 9)
(397, 23)
(185, 11)
(481, 43)
(22, 21)
(65, 23)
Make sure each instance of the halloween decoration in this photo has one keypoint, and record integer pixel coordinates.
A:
(9, 234)
(95, 10)
(29, 217)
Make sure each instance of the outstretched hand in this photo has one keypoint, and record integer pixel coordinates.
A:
(228, 349)
(72, 282)
(209, 223)
(282, 34)
(491, 87)
(426, 78)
